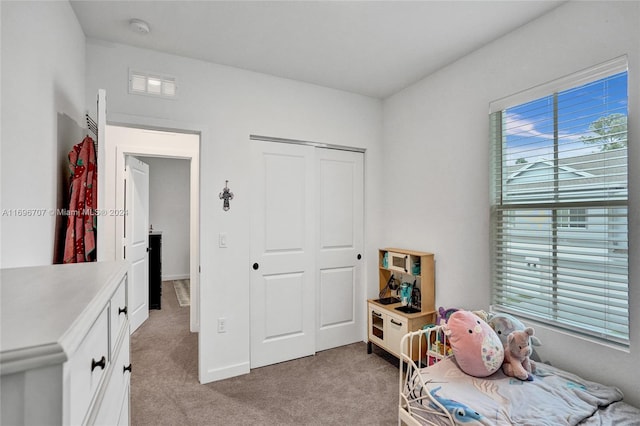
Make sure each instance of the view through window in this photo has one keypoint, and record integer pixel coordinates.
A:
(559, 204)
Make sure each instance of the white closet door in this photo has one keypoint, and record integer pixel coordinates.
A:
(340, 299)
(282, 252)
(136, 239)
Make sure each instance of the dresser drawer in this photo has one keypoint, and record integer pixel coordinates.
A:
(87, 367)
(119, 312)
(117, 389)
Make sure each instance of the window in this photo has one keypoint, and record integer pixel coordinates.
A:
(559, 203)
(572, 218)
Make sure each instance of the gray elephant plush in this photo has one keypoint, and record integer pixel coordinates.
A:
(505, 324)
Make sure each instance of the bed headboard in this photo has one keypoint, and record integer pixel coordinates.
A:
(431, 341)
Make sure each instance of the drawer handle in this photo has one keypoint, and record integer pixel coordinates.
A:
(100, 363)
(127, 368)
(376, 314)
(122, 310)
(396, 323)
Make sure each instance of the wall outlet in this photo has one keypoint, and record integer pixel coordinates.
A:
(222, 325)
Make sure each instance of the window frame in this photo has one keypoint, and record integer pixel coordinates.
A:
(575, 214)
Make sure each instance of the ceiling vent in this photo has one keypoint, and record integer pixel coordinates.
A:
(143, 83)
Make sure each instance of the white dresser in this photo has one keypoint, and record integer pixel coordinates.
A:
(64, 345)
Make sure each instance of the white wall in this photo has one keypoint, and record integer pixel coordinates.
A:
(437, 163)
(231, 104)
(43, 99)
(169, 212)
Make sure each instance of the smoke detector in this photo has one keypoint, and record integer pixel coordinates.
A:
(139, 26)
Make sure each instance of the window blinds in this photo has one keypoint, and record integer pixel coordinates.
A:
(559, 204)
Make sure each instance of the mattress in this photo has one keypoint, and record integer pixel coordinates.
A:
(554, 397)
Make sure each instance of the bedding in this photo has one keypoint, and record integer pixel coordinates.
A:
(554, 397)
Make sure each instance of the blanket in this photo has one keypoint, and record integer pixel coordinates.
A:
(555, 397)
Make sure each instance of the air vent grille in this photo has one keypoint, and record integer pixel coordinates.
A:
(143, 83)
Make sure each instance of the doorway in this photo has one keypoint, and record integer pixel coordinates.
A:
(168, 230)
(124, 141)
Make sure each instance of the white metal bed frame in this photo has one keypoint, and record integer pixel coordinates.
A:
(416, 404)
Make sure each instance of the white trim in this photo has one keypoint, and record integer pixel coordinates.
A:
(175, 277)
(614, 66)
(307, 143)
(227, 372)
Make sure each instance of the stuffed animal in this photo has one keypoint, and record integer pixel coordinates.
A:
(505, 324)
(444, 314)
(516, 355)
(484, 315)
(476, 347)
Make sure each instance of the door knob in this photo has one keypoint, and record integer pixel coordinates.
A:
(255, 266)
(359, 256)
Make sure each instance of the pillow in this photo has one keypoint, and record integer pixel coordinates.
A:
(476, 347)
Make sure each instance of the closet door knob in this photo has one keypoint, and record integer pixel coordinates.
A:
(255, 266)
(359, 256)
(127, 368)
(101, 363)
(122, 310)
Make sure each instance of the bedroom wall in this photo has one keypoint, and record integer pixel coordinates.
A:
(169, 212)
(437, 162)
(43, 99)
(230, 104)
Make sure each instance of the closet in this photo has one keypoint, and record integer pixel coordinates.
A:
(306, 249)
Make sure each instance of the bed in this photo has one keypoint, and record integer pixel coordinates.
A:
(435, 391)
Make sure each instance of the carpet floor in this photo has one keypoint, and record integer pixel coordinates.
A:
(341, 386)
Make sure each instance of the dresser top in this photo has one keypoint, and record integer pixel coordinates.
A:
(45, 311)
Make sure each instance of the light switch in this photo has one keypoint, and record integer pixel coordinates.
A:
(222, 240)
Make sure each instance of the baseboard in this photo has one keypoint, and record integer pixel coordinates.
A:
(227, 372)
(175, 277)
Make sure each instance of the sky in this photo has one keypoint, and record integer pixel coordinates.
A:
(528, 127)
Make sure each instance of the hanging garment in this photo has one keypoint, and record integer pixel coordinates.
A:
(80, 241)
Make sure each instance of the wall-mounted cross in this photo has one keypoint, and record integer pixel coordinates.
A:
(226, 195)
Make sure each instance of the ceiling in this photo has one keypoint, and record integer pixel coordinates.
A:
(374, 48)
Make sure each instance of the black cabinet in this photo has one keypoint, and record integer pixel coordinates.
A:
(155, 271)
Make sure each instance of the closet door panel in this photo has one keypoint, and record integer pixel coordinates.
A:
(282, 253)
(337, 296)
(340, 301)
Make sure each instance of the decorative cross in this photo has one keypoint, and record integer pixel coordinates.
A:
(226, 195)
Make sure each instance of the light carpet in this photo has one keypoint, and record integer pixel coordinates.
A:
(182, 289)
(338, 387)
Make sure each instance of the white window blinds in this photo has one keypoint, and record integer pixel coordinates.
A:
(559, 203)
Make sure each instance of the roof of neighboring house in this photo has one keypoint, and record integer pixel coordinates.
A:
(605, 170)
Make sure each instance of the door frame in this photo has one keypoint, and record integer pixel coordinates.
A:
(113, 174)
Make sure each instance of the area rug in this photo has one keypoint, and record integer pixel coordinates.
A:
(182, 292)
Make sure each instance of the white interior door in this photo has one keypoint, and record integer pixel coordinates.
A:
(339, 297)
(136, 238)
(282, 252)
